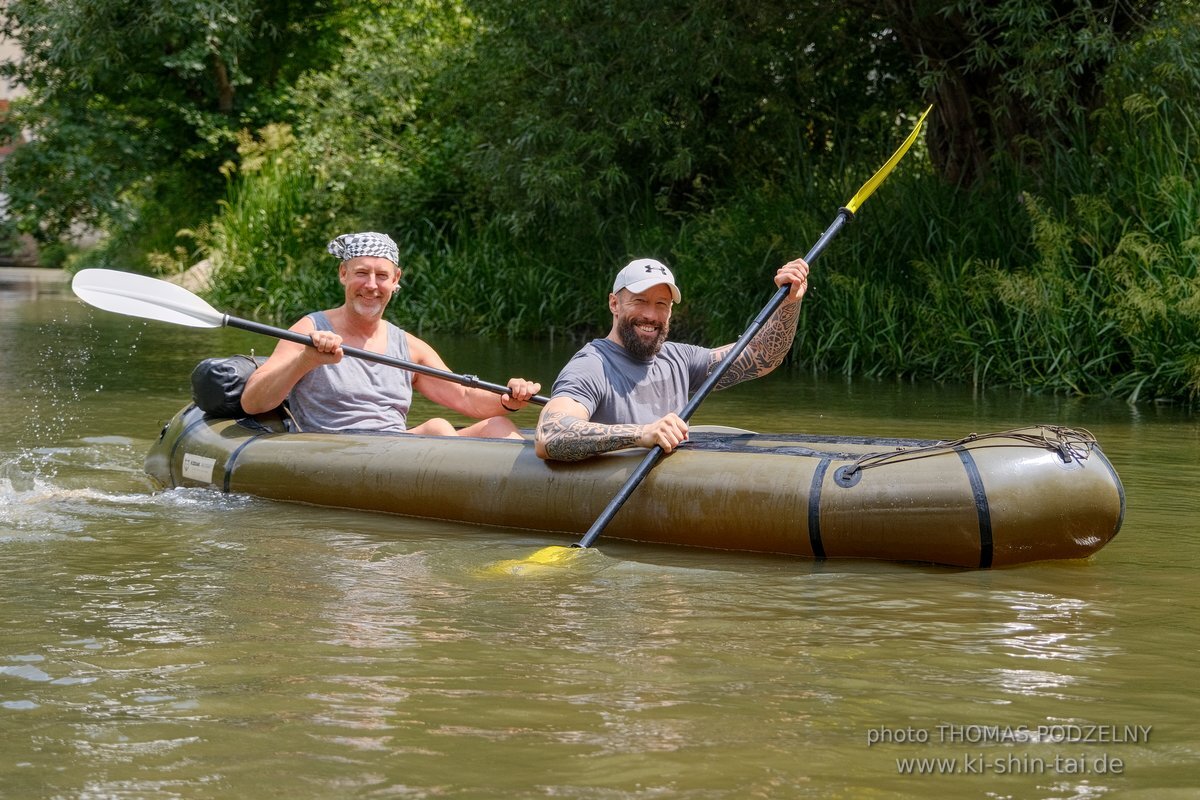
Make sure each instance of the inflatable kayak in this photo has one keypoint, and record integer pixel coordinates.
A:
(986, 500)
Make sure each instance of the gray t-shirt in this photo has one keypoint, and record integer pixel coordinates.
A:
(354, 394)
(617, 388)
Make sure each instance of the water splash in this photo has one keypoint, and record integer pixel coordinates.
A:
(53, 396)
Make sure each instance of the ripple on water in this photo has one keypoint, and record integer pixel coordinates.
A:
(56, 493)
(51, 492)
(33, 510)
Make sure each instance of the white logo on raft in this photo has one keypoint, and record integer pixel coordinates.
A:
(198, 468)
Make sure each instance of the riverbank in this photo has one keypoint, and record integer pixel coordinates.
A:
(33, 281)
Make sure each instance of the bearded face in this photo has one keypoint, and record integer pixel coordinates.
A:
(642, 337)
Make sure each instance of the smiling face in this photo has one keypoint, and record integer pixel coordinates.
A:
(641, 321)
(370, 282)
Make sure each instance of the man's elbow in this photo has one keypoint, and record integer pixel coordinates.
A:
(252, 399)
(252, 405)
(549, 449)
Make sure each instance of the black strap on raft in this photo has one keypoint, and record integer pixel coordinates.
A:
(982, 509)
(814, 509)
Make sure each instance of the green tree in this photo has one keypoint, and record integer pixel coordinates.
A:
(577, 111)
(134, 104)
(572, 113)
(1012, 78)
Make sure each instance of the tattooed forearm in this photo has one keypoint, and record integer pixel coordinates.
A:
(568, 438)
(765, 351)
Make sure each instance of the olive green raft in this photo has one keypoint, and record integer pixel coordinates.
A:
(986, 500)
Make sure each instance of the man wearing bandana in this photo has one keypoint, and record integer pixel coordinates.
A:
(625, 390)
(326, 392)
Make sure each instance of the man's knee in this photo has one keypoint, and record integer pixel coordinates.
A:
(434, 427)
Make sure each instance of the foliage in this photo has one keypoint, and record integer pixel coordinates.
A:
(1011, 78)
(577, 112)
(1102, 295)
(520, 151)
(358, 158)
(266, 248)
(132, 106)
(364, 120)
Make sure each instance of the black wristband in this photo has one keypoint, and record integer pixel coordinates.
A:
(506, 408)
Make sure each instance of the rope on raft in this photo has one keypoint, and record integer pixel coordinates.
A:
(1071, 444)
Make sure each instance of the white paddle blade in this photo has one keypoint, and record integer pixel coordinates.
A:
(145, 297)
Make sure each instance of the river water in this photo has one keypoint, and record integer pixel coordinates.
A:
(187, 644)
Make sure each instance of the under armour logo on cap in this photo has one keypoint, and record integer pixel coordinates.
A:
(369, 243)
(643, 273)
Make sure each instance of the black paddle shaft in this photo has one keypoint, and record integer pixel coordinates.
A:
(469, 381)
(656, 452)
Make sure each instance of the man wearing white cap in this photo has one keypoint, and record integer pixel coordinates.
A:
(626, 389)
(326, 392)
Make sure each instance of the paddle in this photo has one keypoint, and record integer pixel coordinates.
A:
(554, 554)
(149, 298)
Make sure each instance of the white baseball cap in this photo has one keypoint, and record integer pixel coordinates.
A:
(642, 273)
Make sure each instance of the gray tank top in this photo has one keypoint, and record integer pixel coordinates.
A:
(354, 395)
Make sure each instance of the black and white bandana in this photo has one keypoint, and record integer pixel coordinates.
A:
(355, 245)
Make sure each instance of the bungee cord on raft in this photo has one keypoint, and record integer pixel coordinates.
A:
(1071, 444)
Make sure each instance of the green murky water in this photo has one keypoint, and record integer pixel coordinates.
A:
(187, 644)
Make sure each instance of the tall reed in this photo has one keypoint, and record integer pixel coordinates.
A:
(267, 244)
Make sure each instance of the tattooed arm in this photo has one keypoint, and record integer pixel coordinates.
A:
(564, 433)
(771, 344)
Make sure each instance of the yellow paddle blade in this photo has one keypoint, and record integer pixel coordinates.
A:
(877, 178)
(545, 559)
